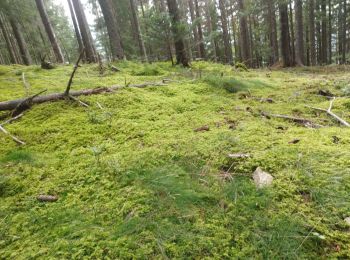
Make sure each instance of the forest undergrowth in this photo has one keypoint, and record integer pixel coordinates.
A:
(145, 173)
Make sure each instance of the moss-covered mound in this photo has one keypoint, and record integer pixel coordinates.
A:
(134, 180)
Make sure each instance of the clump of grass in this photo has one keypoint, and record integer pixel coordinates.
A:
(231, 85)
(18, 156)
(241, 66)
(147, 70)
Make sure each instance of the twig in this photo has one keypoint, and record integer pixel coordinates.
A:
(99, 105)
(11, 120)
(330, 113)
(66, 93)
(77, 100)
(25, 84)
(303, 121)
(12, 136)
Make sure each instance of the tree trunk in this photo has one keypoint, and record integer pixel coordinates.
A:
(329, 31)
(22, 45)
(312, 32)
(200, 31)
(299, 54)
(272, 31)
(85, 31)
(285, 39)
(194, 29)
(344, 27)
(244, 35)
(324, 31)
(226, 35)
(7, 40)
(138, 31)
(76, 28)
(49, 30)
(212, 28)
(180, 51)
(292, 35)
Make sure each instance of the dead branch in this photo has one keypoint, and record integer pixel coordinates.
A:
(66, 93)
(303, 121)
(25, 84)
(2, 129)
(25, 104)
(47, 198)
(12, 104)
(330, 113)
(79, 101)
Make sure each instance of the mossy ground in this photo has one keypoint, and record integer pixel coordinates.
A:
(135, 180)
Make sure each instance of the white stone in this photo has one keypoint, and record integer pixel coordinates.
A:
(262, 179)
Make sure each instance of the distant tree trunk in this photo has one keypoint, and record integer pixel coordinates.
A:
(272, 31)
(299, 54)
(307, 41)
(235, 42)
(49, 30)
(111, 21)
(344, 27)
(324, 31)
(211, 24)
(244, 35)
(292, 35)
(226, 35)
(181, 55)
(318, 33)
(200, 31)
(8, 42)
(85, 32)
(22, 45)
(194, 29)
(138, 31)
(285, 40)
(76, 28)
(312, 32)
(329, 31)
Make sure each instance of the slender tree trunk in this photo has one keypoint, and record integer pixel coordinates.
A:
(307, 36)
(212, 28)
(235, 42)
(49, 30)
(194, 29)
(138, 31)
(7, 40)
(324, 31)
(85, 31)
(285, 39)
(272, 31)
(299, 54)
(200, 31)
(292, 35)
(181, 55)
(312, 32)
(225, 32)
(329, 31)
(23, 48)
(244, 35)
(318, 33)
(76, 28)
(344, 26)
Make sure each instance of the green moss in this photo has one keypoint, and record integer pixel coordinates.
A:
(134, 179)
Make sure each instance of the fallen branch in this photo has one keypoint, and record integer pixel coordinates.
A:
(2, 129)
(25, 104)
(79, 101)
(66, 93)
(303, 121)
(330, 113)
(12, 104)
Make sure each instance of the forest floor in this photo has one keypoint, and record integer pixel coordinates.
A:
(135, 180)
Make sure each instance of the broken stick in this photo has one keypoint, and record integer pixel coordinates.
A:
(66, 93)
(2, 129)
(330, 113)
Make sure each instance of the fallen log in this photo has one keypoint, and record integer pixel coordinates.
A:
(12, 104)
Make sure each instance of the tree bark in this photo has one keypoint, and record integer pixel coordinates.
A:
(312, 32)
(324, 31)
(138, 31)
(85, 31)
(7, 40)
(299, 54)
(329, 31)
(245, 40)
(226, 35)
(285, 40)
(22, 45)
(76, 28)
(292, 35)
(49, 30)
(344, 27)
(200, 31)
(194, 28)
(272, 30)
(180, 51)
